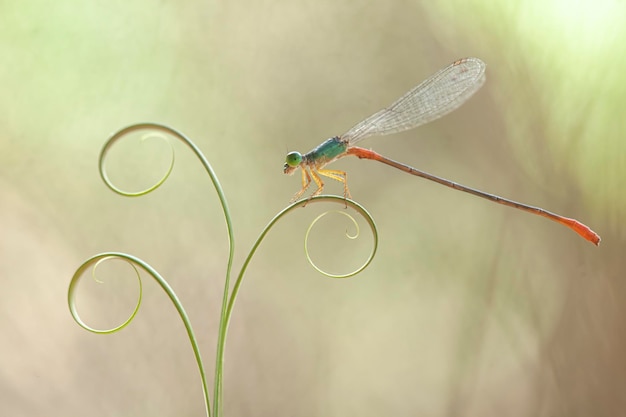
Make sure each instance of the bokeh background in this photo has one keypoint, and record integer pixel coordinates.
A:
(469, 308)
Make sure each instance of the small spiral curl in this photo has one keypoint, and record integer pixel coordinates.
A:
(93, 263)
(154, 131)
(323, 199)
(356, 235)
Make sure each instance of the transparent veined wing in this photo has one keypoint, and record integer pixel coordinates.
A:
(436, 96)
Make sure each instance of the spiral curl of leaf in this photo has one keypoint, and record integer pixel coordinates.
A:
(116, 138)
(352, 237)
(94, 262)
(135, 262)
(302, 203)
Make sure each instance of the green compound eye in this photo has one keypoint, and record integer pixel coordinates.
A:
(293, 159)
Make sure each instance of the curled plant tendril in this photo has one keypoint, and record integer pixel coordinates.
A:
(94, 262)
(302, 203)
(134, 262)
(355, 236)
(152, 135)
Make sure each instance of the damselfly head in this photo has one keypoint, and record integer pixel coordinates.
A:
(292, 161)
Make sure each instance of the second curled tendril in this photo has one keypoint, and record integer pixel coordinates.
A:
(137, 265)
(354, 235)
(94, 262)
(151, 131)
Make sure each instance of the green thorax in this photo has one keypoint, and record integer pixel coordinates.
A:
(327, 152)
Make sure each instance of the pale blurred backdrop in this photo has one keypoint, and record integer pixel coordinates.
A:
(469, 308)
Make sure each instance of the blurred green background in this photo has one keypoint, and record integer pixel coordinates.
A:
(469, 309)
